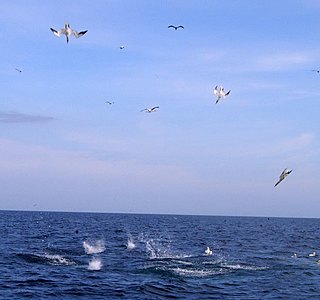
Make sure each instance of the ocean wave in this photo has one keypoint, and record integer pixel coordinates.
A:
(49, 259)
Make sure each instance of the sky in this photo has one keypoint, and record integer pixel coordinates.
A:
(63, 148)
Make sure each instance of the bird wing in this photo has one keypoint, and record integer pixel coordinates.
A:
(278, 182)
(143, 110)
(215, 91)
(171, 26)
(226, 94)
(57, 32)
(154, 108)
(180, 26)
(79, 34)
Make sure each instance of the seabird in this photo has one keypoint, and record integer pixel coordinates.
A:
(208, 251)
(150, 110)
(121, 47)
(18, 70)
(318, 71)
(175, 27)
(313, 254)
(67, 31)
(283, 175)
(219, 92)
(294, 255)
(108, 102)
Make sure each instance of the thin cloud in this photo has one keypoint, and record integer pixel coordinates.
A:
(16, 117)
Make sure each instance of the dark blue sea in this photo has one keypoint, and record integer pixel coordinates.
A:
(51, 255)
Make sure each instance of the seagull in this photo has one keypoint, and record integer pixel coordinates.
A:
(175, 27)
(121, 47)
(67, 31)
(150, 110)
(208, 251)
(18, 70)
(220, 93)
(313, 254)
(283, 175)
(295, 255)
(108, 102)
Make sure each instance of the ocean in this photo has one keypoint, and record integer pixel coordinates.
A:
(53, 255)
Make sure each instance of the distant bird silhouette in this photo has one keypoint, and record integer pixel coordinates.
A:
(18, 70)
(67, 31)
(175, 27)
(108, 102)
(121, 47)
(283, 175)
(318, 71)
(219, 92)
(150, 110)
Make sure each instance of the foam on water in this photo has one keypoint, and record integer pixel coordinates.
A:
(95, 264)
(58, 259)
(98, 247)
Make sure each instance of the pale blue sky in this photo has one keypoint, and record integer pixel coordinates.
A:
(62, 148)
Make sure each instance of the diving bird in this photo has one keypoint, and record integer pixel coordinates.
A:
(67, 31)
(283, 175)
(175, 27)
(150, 110)
(219, 92)
(208, 251)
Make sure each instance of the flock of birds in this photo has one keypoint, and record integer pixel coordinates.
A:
(218, 91)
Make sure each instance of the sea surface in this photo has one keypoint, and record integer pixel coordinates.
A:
(51, 255)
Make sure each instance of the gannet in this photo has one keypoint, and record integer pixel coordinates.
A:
(175, 27)
(220, 93)
(150, 110)
(283, 175)
(67, 31)
(208, 251)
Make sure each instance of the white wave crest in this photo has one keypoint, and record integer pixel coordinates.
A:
(58, 259)
(196, 272)
(98, 247)
(95, 264)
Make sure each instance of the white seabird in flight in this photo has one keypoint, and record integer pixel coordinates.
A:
(219, 92)
(283, 175)
(150, 110)
(67, 31)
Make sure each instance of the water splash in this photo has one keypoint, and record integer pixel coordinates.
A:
(95, 264)
(130, 243)
(98, 247)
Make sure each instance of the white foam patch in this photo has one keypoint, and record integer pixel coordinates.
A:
(98, 247)
(95, 264)
(243, 267)
(130, 243)
(58, 259)
(196, 272)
